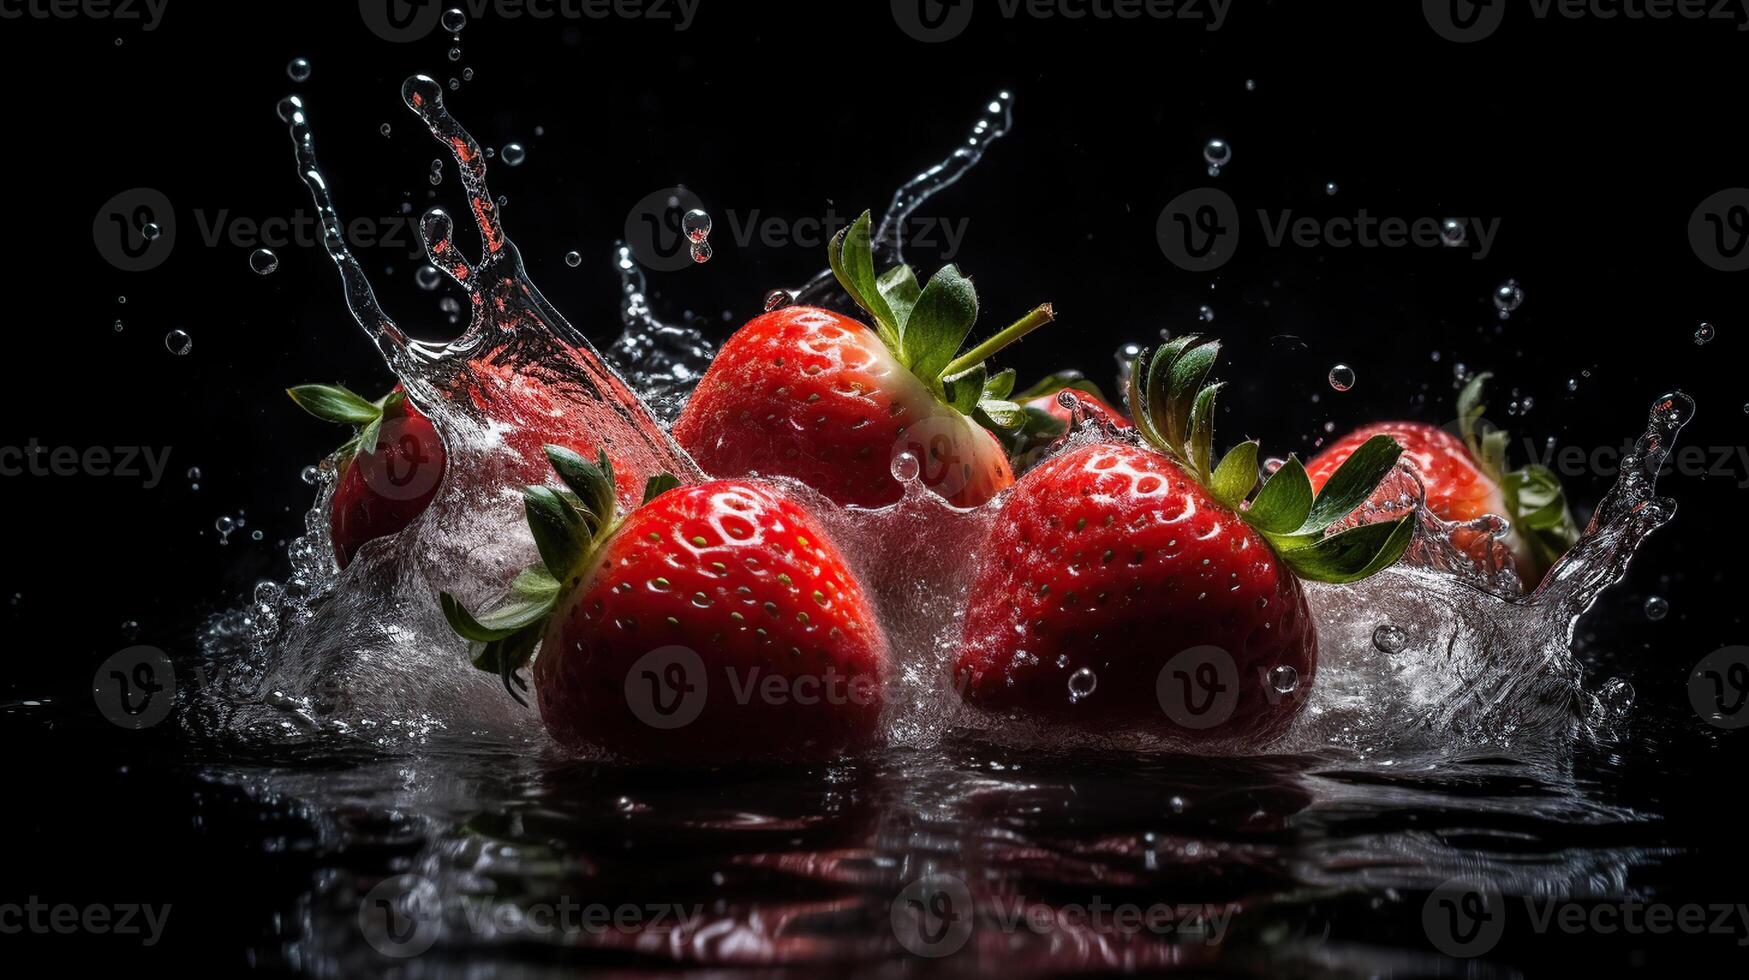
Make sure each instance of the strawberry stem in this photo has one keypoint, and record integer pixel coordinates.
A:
(1040, 316)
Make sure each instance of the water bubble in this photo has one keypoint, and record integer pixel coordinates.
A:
(455, 54)
(1390, 639)
(513, 154)
(777, 299)
(385, 129)
(1452, 232)
(573, 259)
(1218, 154)
(701, 252)
(906, 467)
(1704, 334)
(454, 20)
(298, 70)
(1508, 296)
(121, 300)
(224, 525)
(263, 261)
(454, 84)
(311, 475)
(178, 342)
(1206, 314)
(427, 277)
(1616, 696)
(1250, 84)
(696, 224)
(256, 535)
(1572, 384)
(119, 326)
(1657, 607)
(150, 231)
(130, 629)
(450, 307)
(1283, 678)
(1330, 189)
(194, 472)
(1342, 377)
(1082, 683)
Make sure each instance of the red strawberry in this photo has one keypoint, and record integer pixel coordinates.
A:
(810, 394)
(389, 471)
(715, 621)
(1127, 587)
(1467, 478)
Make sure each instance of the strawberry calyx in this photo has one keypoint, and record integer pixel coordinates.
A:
(1536, 503)
(569, 525)
(1037, 426)
(1173, 407)
(924, 326)
(337, 403)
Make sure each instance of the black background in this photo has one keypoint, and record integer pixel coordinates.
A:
(1592, 141)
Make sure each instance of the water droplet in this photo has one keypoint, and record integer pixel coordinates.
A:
(122, 300)
(1616, 696)
(1657, 607)
(1452, 232)
(1390, 639)
(777, 299)
(150, 231)
(696, 224)
(1082, 683)
(1342, 377)
(1572, 384)
(513, 154)
(311, 475)
(1206, 314)
(178, 342)
(454, 20)
(119, 326)
(1508, 296)
(385, 129)
(256, 535)
(427, 277)
(454, 84)
(1283, 678)
(467, 74)
(298, 70)
(1250, 84)
(701, 252)
(906, 467)
(224, 525)
(194, 472)
(130, 629)
(1330, 189)
(573, 259)
(455, 54)
(1218, 154)
(1704, 334)
(450, 307)
(263, 261)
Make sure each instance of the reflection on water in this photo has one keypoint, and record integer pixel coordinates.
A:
(964, 856)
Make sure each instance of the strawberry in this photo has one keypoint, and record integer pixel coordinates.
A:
(1128, 586)
(389, 470)
(811, 394)
(1466, 478)
(715, 621)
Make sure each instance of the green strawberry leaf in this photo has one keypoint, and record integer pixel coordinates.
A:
(334, 403)
(1352, 483)
(1000, 385)
(1353, 554)
(1538, 504)
(508, 655)
(1285, 501)
(939, 324)
(898, 286)
(1202, 431)
(591, 482)
(1189, 370)
(658, 485)
(535, 583)
(1236, 475)
(1005, 414)
(965, 389)
(851, 255)
(366, 441)
(501, 622)
(561, 533)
